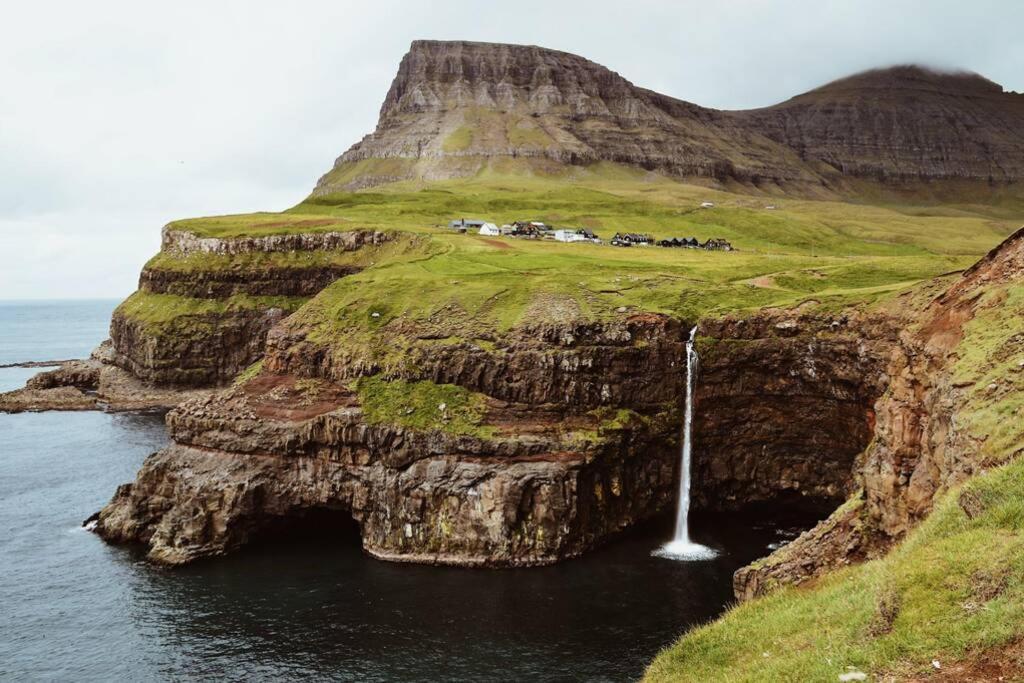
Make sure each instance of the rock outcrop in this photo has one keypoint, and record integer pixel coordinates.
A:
(226, 293)
(785, 403)
(923, 443)
(276, 448)
(455, 107)
(579, 440)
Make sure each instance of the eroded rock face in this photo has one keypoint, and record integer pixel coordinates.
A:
(183, 242)
(918, 449)
(200, 350)
(205, 349)
(785, 403)
(534, 490)
(255, 455)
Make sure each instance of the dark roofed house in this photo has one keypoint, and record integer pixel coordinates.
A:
(629, 239)
(717, 244)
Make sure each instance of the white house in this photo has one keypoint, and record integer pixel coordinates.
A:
(568, 236)
(489, 229)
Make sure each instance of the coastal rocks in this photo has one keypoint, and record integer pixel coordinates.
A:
(259, 456)
(29, 400)
(92, 384)
(579, 441)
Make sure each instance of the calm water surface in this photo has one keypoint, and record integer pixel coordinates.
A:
(74, 608)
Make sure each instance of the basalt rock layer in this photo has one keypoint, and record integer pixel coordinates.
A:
(456, 107)
(557, 465)
(223, 296)
(784, 404)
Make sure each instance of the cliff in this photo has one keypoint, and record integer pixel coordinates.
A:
(949, 411)
(938, 510)
(457, 108)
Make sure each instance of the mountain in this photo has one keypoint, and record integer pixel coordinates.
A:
(456, 108)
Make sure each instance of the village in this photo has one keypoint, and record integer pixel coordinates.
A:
(539, 230)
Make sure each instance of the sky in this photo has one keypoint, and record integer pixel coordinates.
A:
(118, 117)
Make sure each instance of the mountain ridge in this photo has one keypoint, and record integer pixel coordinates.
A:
(454, 107)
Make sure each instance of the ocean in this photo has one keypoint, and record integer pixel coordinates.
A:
(74, 608)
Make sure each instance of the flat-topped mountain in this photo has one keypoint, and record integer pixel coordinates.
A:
(456, 108)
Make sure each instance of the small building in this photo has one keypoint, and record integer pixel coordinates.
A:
(507, 229)
(567, 235)
(464, 224)
(489, 229)
(575, 235)
(707, 205)
(631, 239)
(717, 244)
(528, 229)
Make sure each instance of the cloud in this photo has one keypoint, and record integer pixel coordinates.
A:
(116, 117)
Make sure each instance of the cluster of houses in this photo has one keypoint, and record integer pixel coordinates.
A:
(538, 230)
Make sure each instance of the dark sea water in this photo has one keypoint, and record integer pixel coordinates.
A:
(73, 608)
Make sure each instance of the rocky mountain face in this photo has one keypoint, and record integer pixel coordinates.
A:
(456, 107)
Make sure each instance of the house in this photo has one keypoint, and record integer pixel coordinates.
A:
(717, 244)
(507, 230)
(489, 229)
(629, 239)
(530, 229)
(707, 205)
(576, 235)
(567, 235)
(463, 224)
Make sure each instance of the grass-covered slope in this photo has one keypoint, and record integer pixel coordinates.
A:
(795, 250)
(952, 592)
(438, 284)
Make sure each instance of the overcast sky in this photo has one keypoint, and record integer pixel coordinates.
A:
(117, 117)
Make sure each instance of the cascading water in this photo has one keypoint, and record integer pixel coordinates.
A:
(681, 547)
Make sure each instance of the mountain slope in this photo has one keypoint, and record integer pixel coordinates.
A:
(458, 108)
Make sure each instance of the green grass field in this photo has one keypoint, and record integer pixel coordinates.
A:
(466, 286)
(953, 590)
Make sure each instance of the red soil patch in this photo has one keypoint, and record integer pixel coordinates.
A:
(285, 397)
(497, 244)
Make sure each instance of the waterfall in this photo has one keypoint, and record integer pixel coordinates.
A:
(681, 547)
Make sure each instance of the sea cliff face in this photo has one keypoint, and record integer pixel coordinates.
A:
(577, 440)
(205, 304)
